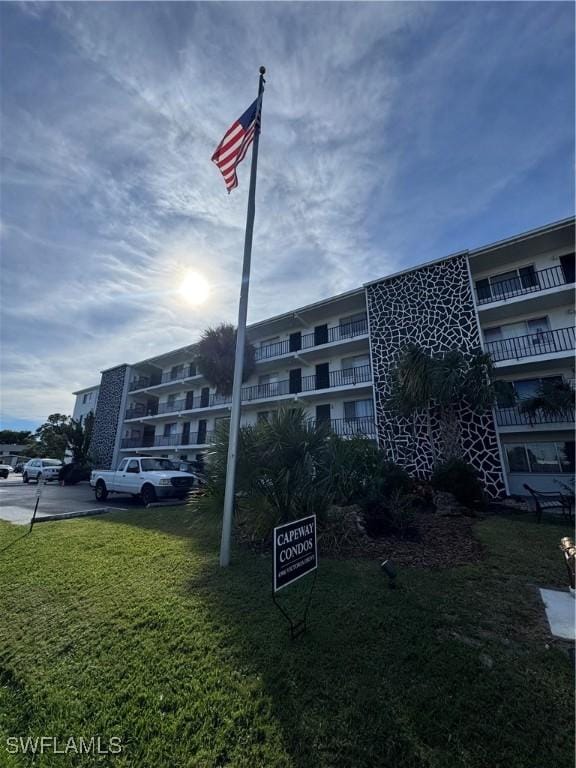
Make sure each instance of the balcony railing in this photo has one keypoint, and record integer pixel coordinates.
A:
(346, 377)
(168, 441)
(321, 336)
(140, 383)
(514, 417)
(527, 282)
(359, 426)
(540, 343)
(143, 382)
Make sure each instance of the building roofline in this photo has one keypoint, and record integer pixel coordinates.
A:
(258, 323)
(86, 389)
(415, 268)
(555, 225)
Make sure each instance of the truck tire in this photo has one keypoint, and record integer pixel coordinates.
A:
(101, 492)
(148, 494)
(25, 477)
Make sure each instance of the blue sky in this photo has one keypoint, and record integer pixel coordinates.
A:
(393, 133)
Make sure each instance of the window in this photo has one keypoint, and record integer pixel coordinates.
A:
(133, 466)
(268, 342)
(87, 398)
(176, 372)
(357, 409)
(541, 458)
(263, 416)
(527, 388)
(349, 366)
(122, 465)
(268, 385)
(353, 325)
(169, 429)
(511, 283)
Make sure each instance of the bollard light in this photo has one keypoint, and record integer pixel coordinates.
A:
(389, 569)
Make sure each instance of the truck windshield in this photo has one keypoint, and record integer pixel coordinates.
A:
(156, 465)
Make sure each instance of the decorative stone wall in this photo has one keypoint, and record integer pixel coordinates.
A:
(107, 416)
(432, 307)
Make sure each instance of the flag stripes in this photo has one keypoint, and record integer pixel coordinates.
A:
(235, 144)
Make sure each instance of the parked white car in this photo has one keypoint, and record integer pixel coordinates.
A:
(149, 477)
(5, 470)
(41, 469)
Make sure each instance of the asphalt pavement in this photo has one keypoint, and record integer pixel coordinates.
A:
(17, 500)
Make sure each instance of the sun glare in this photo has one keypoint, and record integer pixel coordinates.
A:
(194, 289)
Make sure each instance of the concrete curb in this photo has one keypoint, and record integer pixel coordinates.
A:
(83, 513)
(167, 503)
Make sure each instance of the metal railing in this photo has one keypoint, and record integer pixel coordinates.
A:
(514, 416)
(539, 343)
(359, 426)
(140, 383)
(346, 377)
(168, 441)
(528, 282)
(339, 332)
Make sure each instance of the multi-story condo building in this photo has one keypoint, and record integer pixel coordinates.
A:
(86, 400)
(334, 358)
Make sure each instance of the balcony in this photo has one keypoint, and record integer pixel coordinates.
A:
(343, 378)
(540, 343)
(168, 441)
(299, 342)
(513, 417)
(144, 382)
(360, 426)
(529, 282)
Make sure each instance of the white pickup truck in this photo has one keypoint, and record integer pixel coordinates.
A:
(145, 476)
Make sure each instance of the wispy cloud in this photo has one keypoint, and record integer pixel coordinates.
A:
(392, 132)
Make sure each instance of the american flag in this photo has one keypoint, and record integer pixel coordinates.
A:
(233, 147)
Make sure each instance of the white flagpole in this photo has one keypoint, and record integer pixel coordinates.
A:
(240, 342)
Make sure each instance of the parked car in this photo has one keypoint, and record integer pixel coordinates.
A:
(193, 468)
(38, 469)
(149, 477)
(5, 470)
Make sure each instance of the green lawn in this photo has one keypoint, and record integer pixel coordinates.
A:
(123, 625)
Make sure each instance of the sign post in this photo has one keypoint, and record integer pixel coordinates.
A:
(295, 554)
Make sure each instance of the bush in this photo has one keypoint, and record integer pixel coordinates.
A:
(460, 479)
(74, 473)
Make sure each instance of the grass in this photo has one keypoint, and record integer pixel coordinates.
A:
(124, 626)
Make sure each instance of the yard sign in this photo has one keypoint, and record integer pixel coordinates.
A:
(295, 551)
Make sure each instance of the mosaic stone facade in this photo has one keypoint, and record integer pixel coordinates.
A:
(432, 307)
(107, 420)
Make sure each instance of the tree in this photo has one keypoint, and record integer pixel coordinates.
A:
(14, 437)
(79, 437)
(553, 398)
(215, 355)
(51, 439)
(441, 384)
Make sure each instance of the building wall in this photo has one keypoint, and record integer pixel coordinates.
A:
(434, 308)
(108, 416)
(81, 408)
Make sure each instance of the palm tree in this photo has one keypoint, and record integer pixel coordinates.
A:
(412, 389)
(553, 398)
(428, 383)
(215, 353)
(79, 437)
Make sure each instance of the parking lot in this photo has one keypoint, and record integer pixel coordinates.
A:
(17, 500)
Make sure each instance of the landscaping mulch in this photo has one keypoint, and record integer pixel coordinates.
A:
(442, 542)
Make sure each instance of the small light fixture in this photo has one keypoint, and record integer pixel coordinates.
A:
(389, 569)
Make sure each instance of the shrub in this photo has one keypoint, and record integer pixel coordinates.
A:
(460, 479)
(74, 473)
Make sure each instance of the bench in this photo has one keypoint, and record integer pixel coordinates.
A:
(551, 501)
